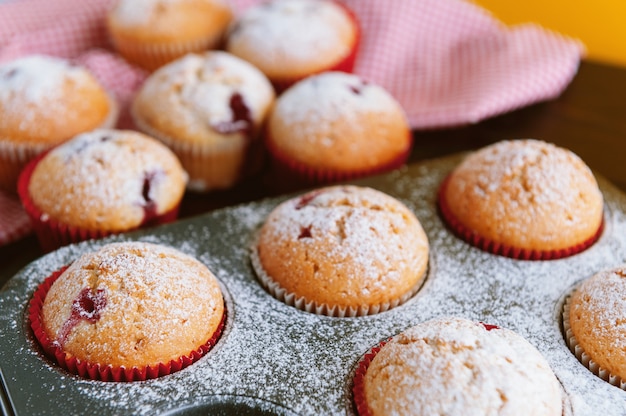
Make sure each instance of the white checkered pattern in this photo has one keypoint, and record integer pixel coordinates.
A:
(448, 62)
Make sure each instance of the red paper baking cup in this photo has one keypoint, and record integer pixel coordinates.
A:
(472, 238)
(296, 173)
(358, 387)
(345, 65)
(106, 372)
(53, 234)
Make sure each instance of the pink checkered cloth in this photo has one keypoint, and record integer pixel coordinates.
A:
(448, 62)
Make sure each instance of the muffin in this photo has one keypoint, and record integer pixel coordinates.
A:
(291, 39)
(45, 101)
(99, 183)
(151, 33)
(341, 251)
(209, 109)
(128, 311)
(453, 366)
(336, 126)
(594, 323)
(525, 199)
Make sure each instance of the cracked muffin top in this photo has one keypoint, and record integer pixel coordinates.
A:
(596, 322)
(212, 99)
(108, 180)
(525, 195)
(339, 122)
(46, 100)
(151, 33)
(454, 366)
(132, 304)
(169, 21)
(342, 248)
(292, 39)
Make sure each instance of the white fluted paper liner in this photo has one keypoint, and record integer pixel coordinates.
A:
(583, 357)
(209, 166)
(336, 311)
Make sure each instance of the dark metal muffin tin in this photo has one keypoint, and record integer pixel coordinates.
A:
(274, 359)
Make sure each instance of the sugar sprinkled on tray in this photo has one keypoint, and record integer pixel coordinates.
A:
(303, 361)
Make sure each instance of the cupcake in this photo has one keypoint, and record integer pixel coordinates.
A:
(208, 108)
(128, 311)
(525, 199)
(453, 366)
(594, 322)
(291, 39)
(151, 33)
(99, 183)
(336, 126)
(341, 251)
(45, 101)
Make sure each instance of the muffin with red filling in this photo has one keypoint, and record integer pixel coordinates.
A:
(336, 126)
(45, 101)
(454, 366)
(209, 109)
(128, 311)
(342, 251)
(100, 183)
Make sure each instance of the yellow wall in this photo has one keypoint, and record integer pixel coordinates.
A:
(599, 24)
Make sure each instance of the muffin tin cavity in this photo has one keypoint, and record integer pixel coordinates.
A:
(303, 362)
(231, 405)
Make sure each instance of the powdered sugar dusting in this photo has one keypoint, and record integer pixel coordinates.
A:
(142, 291)
(37, 77)
(605, 299)
(360, 228)
(273, 352)
(545, 173)
(37, 82)
(321, 100)
(552, 183)
(107, 178)
(302, 30)
(140, 12)
(196, 90)
(461, 367)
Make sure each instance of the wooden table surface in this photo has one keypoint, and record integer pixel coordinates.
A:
(589, 118)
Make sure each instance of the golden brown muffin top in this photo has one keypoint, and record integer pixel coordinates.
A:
(168, 21)
(133, 304)
(110, 180)
(344, 246)
(213, 99)
(338, 121)
(597, 318)
(293, 38)
(454, 366)
(527, 194)
(46, 100)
